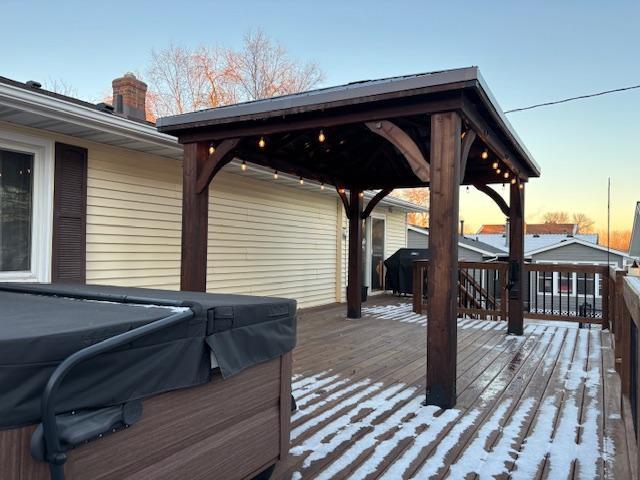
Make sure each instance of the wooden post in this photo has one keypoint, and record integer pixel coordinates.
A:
(443, 264)
(354, 286)
(516, 259)
(195, 211)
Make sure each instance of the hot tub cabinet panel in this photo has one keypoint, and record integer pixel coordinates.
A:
(213, 431)
(215, 395)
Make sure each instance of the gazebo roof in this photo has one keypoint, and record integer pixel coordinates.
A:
(353, 153)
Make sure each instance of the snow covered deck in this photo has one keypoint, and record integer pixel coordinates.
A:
(544, 405)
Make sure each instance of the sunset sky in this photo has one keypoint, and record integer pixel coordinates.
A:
(528, 52)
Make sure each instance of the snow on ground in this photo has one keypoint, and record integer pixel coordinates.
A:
(369, 421)
(403, 312)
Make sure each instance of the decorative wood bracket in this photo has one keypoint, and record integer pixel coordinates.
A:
(374, 201)
(468, 137)
(495, 196)
(345, 201)
(217, 160)
(403, 142)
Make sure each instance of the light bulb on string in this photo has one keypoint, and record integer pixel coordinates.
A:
(322, 186)
(261, 142)
(513, 181)
(275, 174)
(485, 154)
(506, 174)
(494, 165)
(243, 167)
(212, 149)
(321, 137)
(301, 181)
(498, 171)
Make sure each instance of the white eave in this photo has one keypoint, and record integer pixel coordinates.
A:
(36, 110)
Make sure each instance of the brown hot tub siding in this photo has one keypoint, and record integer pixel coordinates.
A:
(226, 429)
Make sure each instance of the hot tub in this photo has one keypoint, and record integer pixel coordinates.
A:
(122, 383)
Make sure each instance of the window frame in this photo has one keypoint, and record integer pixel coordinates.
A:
(42, 204)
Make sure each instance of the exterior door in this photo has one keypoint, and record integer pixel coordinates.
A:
(377, 254)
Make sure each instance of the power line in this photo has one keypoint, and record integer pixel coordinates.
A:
(564, 100)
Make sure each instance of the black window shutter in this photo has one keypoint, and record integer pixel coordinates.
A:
(69, 255)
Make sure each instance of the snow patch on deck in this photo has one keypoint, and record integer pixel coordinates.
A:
(385, 430)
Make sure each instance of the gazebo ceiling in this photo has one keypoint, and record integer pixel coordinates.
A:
(352, 153)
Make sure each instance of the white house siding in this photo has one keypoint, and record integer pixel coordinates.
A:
(266, 238)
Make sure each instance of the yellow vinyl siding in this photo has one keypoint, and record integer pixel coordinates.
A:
(396, 232)
(134, 220)
(271, 239)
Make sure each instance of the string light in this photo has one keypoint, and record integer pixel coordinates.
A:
(275, 174)
(261, 142)
(361, 194)
(494, 165)
(301, 181)
(341, 190)
(521, 186)
(485, 155)
(498, 171)
(513, 181)
(322, 186)
(506, 174)
(321, 137)
(212, 149)
(243, 167)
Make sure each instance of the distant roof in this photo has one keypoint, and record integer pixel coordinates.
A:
(468, 242)
(534, 229)
(575, 240)
(634, 244)
(534, 242)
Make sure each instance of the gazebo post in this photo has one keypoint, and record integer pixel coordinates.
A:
(516, 259)
(195, 211)
(354, 286)
(443, 263)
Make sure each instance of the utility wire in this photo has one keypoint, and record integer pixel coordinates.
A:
(564, 100)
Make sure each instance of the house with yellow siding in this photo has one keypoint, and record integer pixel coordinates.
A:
(93, 193)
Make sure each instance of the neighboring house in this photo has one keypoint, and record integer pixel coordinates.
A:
(92, 194)
(469, 249)
(534, 229)
(634, 244)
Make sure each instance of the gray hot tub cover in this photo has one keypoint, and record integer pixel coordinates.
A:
(41, 325)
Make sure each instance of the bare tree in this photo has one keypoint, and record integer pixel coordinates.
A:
(58, 85)
(556, 217)
(418, 196)
(183, 80)
(263, 69)
(584, 223)
(620, 239)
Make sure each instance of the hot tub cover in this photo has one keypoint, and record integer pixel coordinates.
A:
(41, 325)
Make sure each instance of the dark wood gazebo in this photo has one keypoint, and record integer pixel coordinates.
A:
(440, 129)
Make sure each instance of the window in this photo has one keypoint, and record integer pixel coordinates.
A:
(26, 216)
(545, 283)
(565, 284)
(16, 207)
(585, 284)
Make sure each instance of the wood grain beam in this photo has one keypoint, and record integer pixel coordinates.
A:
(442, 309)
(326, 120)
(345, 201)
(375, 201)
(195, 212)
(495, 196)
(354, 287)
(467, 140)
(516, 260)
(214, 162)
(405, 144)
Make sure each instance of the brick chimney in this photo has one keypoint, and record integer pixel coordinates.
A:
(129, 96)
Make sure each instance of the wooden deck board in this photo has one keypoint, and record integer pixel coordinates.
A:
(544, 405)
